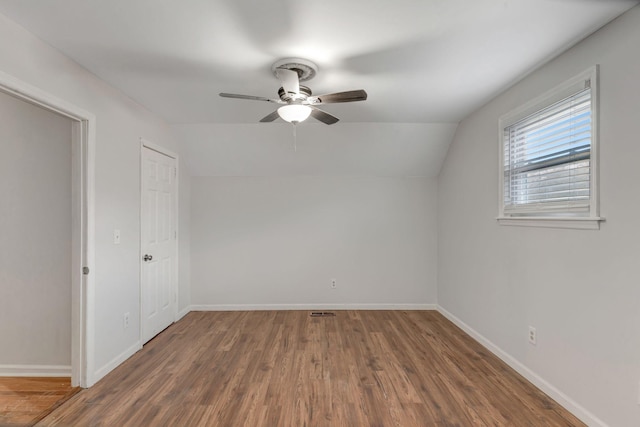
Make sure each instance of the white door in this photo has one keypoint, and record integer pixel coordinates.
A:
(159, 242)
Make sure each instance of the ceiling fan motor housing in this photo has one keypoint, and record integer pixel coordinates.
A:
(305, 92)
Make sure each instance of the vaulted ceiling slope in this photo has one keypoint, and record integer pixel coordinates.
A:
(354, 149)
(423, 61)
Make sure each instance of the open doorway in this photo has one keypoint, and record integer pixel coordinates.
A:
(47, 227)
(35, 249)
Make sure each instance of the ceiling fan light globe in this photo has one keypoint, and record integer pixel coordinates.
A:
(294, 113)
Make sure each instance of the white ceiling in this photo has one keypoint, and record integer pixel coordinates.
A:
(421, 61)
(428, 62)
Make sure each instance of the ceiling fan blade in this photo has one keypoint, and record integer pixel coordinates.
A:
(289, 79)
(269, 118)
(332, 98)
(323, 116)
(249, 97)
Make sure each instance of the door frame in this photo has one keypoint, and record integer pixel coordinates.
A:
(83, 222)
(144, 143)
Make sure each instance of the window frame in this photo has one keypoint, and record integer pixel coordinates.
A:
(564, 219)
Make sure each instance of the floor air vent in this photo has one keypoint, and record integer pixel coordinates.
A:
(322, 314)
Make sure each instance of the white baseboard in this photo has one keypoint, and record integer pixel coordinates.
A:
(564, 400)
(35, 370)
(267, 307)
(115, 362)
(183, 312)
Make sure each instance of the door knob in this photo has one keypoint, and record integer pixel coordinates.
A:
(147, 257)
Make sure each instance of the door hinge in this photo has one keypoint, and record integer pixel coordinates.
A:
(85, 270)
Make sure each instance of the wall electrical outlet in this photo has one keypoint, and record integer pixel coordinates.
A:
(533, 336)
(125, 320)
(333, 283)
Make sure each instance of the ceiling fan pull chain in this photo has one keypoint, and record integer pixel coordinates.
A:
(295, 139)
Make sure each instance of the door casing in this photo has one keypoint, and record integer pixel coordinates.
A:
(83, 222)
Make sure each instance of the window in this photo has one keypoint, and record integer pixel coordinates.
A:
(548, 151)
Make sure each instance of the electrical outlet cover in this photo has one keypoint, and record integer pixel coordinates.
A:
(533, 336)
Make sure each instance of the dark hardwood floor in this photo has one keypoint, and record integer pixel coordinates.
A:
(285, 368)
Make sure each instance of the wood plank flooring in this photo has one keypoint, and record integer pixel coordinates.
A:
(25, 401)
(285, 368)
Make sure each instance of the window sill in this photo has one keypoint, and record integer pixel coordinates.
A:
(552, 222)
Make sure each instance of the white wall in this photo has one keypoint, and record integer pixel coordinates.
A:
(120, 124)
(578, 288)
(278, 241)
(35, 236)
(270, 149)
(184, 231)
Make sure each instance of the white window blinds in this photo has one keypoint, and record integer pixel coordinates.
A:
(547, 158)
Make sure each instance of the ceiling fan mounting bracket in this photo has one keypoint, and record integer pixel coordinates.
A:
(306, 69)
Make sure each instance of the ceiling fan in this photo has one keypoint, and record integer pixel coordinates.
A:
(298, 102)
